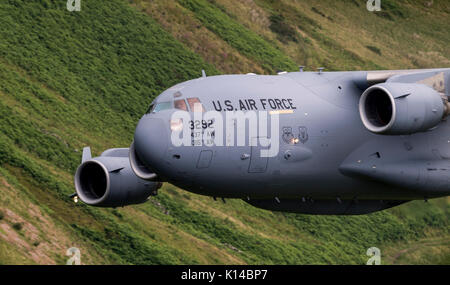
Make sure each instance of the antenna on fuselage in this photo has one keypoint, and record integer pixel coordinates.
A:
(203, 73)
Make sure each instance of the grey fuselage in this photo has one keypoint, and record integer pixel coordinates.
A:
(334, 155)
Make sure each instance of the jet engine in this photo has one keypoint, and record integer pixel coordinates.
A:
(108, 180)
(138, 167)
(401, 108)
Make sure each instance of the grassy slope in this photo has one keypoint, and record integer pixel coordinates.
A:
(339, 35)
(73, 79)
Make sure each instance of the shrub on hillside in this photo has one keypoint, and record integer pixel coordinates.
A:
(284, 31)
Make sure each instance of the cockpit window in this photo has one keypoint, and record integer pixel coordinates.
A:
(193, 102)
(162, 106)
(180, 104)
(150, 108)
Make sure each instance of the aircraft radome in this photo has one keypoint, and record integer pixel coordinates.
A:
(306, 142)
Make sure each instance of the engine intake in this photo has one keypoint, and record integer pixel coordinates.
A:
(400, 108)
(108, 181)
(93, 181)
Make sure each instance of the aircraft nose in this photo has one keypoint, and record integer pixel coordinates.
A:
(151, 140)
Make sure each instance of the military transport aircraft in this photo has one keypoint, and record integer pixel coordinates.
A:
(320, 142)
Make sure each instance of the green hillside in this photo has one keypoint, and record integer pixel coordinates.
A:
(71, 79)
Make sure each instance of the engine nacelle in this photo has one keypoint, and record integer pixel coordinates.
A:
(138, 167)
(108, 181)
(400, 108)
